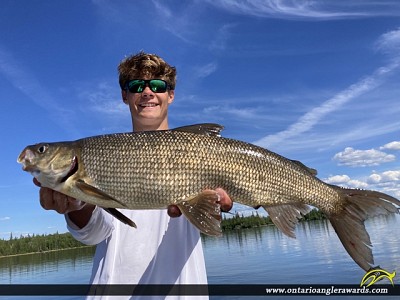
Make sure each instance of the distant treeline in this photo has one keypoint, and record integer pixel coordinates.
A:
(37, 243)
(255, 220)
(57, 241)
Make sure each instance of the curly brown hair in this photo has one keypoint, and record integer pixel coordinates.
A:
(146, 66)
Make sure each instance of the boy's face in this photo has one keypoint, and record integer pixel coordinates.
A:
(148, 108)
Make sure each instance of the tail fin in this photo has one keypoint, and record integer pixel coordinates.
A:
(349, 223)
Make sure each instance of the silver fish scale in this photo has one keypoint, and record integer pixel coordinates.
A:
(155, 169)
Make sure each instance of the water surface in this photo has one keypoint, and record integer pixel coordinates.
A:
(250, 256)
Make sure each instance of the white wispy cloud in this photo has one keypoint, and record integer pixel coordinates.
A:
(346, 181)
(5, 218)
(311, 118)
(367, 84)
(180, 20)
(104, 98)
(363, 130)
(230, 111)
(387, 182)
(362, 158)
(109, 10)
(26, 82)
(104, 105)
(389, 43)
(222, 37)
(391, 146)
(384, 177)
(186, 22)
(206, 70)
(305, 9)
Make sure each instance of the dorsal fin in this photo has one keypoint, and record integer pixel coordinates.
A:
(313, 172)
(211, 129)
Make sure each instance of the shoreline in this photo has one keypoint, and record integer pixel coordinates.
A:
(46, 251)
(65, 241)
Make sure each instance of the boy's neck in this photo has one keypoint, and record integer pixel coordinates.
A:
(150, 127)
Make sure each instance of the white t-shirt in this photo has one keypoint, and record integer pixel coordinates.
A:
(161, 250)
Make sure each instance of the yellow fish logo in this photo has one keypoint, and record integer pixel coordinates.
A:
(375, 275)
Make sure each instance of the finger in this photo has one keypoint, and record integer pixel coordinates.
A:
(65, 204)
(224, 200)
(174, 211)
(74, 204)
(60, 202)
(46, 198)
(53, 200)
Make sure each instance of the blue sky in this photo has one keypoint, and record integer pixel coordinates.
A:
(316, 81)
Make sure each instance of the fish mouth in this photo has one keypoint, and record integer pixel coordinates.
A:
(73, 169)
(25, 159)
(28, 168)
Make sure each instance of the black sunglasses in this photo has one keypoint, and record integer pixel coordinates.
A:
(138, 85)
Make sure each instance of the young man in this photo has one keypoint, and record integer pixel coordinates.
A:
(162, 250)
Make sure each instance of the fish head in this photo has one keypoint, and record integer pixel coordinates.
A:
(50, 163)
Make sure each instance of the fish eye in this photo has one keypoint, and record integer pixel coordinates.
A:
(42, 149)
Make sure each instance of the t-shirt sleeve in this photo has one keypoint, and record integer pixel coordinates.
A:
(99, 227)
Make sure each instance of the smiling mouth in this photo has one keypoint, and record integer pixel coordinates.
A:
(145, 105)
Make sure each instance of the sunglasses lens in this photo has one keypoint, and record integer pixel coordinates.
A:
(136, 86)
(158, 85)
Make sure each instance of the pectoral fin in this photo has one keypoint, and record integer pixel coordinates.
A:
(286, 216)
(120, 216)
(204, 212)
(94, 192)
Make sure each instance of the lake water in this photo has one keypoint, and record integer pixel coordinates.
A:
(251, 256)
